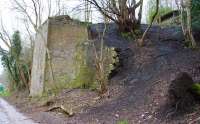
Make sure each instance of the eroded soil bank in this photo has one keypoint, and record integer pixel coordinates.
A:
(138, 92)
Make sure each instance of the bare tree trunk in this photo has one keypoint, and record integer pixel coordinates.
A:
(99, 63)
(182, 18)
(141, 41)
(189, 23)
(140, 13)
(186, 24)
(122, 12)
(36, 20)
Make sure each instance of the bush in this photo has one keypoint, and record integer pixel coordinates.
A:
(104, 64)
(18, 68)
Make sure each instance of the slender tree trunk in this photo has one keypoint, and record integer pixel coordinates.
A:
(189, 23)
(182, 19)
(141, 41)
(140, 13)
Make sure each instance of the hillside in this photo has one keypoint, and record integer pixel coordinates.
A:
(138, 88)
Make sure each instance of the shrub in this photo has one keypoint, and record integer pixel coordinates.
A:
(104, 64)
(18, 69)
(121, 12)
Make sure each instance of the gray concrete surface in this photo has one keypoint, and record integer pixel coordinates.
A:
(9, 115)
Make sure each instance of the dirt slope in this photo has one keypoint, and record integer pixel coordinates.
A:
(138, 90)
(144, 76)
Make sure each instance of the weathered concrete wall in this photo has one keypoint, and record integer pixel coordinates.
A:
(70, 62)
(58, 67)
(39, 60)
(64, 35)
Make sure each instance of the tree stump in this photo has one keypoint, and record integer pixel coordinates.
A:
(179, 91)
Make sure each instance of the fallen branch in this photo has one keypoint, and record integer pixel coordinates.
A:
(63, 109)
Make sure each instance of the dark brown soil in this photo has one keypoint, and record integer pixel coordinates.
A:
(138, 91)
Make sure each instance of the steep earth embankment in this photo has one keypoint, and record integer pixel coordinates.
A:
(138, 90)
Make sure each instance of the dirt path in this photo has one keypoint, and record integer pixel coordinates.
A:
(9, 115)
